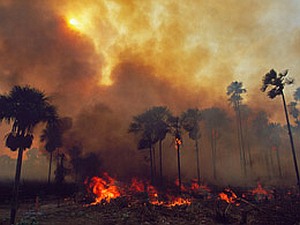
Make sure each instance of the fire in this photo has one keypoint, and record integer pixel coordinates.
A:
(200, 189)
(183, 188)
(153, 196)
(103, 189)
(229, 196)
(178, 201)
(261, 194)
(137, 185)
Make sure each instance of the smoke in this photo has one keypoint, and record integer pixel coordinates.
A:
(123, 57)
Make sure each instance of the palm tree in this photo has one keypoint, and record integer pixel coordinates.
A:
(234, 91)
(161, 121)
(52, 135)
(190, 121)
(24, 107)
(152, 126)
(214, 119)
(175, 129)
(277, 82)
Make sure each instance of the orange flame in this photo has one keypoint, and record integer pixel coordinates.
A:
(103, 189)
(200, 189)
(137, 185)
(177, 202)
(260, 193)
(229, 196)
(183, 188)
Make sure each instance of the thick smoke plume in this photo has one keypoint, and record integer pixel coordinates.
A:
(102, 62)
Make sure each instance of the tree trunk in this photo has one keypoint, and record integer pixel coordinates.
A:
(248, 145)
(151, 164)
(14, 205)
(291, 140)
(213, 152)
(50, 165)
(242, 141)
(278, 162)
(198, 161)
(178, 165)
(160, 162)
(239, 140)
(154, 161)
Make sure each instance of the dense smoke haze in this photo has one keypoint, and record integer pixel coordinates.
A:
(103, 62)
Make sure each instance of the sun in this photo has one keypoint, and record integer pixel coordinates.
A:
(75, 24)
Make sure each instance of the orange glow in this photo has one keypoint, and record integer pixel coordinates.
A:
(153, 196)
(183, 188)
(200, 189)
(137, 185)
(178, 201)
(260, 193)
(103, 189)
(229, 196)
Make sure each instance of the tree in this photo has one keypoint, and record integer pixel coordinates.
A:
(260, 126)
(214, 120)
(190, 121)
(277, 82)
(52, 135)
(152, 126)
(234, 91)
(175, 130)
(24, 107)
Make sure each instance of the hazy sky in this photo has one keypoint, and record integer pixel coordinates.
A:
(104, 61)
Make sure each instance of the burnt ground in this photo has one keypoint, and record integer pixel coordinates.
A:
(71, 207)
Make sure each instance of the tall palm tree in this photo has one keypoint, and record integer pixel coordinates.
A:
(277, 82)
(152, 126)
(161, 122)
(24, 107)
(176, 132)
(52, 135)
(190, 121)
(234, 91)
(214, 119)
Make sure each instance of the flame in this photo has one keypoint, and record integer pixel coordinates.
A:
(261, 194)
(103, 189)
(137, 185)
(200, 189)
(178, 201)
(229, 196)
(153, 196)
(183, 188)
